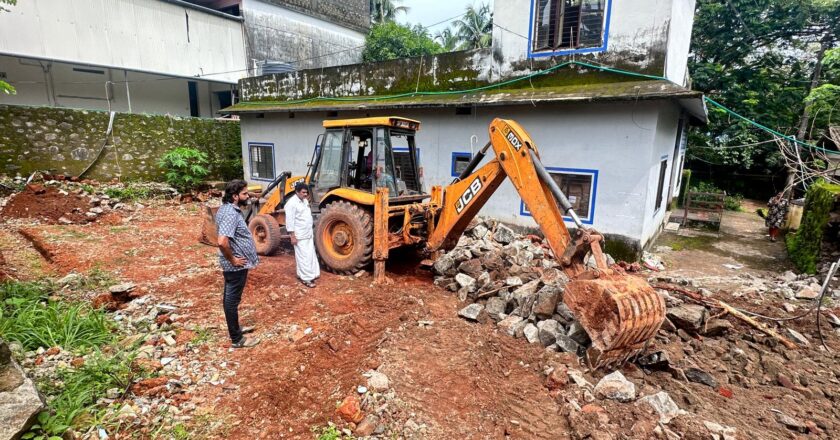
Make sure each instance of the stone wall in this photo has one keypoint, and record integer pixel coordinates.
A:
(65, 141)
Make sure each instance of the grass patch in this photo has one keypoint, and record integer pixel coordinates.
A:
(72, 402)
(32, 315)
(330, 432)
(202, 336)
(31, 318)
(130, 192)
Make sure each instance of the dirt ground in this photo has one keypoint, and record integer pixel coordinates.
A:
(453, 379)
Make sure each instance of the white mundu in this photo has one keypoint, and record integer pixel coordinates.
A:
(299, 221)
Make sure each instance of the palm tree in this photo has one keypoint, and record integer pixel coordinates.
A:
(475, 27)
(448, 39)
(386, 10)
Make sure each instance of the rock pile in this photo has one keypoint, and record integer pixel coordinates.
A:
(513, 280)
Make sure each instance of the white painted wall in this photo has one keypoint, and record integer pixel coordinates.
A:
(622, 141)
(679, 41)
(664, 130)
(280, 34)
(140, 35)
(635, 26)
(45, 83)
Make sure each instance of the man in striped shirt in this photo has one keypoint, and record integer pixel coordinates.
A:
(237, 255)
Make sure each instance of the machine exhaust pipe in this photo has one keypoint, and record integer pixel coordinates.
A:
(564, 203)
(473, 163)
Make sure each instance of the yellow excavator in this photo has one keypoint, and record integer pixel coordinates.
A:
(368, 199)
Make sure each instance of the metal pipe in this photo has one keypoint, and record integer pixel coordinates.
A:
(555, 190)
(127, 92)
(473, 163)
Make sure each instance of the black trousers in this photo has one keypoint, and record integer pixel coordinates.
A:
(232, 295)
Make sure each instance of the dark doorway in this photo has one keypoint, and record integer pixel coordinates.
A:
(193, 88)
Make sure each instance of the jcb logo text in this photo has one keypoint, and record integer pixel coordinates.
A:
(468, 195)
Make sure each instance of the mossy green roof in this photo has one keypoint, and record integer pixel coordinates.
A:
(597, 92)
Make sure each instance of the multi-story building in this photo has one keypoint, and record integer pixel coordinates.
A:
(166, 56)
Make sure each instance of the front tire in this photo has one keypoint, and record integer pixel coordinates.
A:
(344, 237)
(266, 233)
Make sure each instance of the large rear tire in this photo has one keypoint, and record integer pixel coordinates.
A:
(344, 237)
(266, 233)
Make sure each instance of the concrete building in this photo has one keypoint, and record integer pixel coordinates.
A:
(166, 56)
(614, 141)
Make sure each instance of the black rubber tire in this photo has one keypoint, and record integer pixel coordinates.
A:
(266, 233)
(344, 237)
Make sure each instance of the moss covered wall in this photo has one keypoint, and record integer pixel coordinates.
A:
(442, 72)
(804, 246)
(67, 140)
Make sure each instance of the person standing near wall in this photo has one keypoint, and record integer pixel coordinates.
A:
(237, 255)
(299, 226)
(777, 208)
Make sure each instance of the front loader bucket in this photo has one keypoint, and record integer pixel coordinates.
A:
(208, 226)
(620, 313)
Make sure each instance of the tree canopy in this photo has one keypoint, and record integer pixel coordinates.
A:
(390, 40)
(382, 11)
(758, 57)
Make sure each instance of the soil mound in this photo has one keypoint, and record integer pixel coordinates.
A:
(48, 204)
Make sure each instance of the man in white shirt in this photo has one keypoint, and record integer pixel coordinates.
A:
(299, 227)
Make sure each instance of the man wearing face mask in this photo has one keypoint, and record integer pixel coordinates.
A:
(237, 255)
(299, 227)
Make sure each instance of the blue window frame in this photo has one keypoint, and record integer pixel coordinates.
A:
(261, 160)
(460, 160)
(581, 188)
(565, 27)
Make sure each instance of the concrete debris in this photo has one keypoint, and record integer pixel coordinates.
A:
(689, 317)
(532, 333)
(790, 422)
(697, 375)
(20, 401)
(799, 338)
(471, 312)
(721, 432)
(512, 324)
(662, 403)
(549, 330)
(615, 386)
(809, 292)
(717, 327)
(378, 381)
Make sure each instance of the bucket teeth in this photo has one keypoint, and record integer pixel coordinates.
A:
(620, 313)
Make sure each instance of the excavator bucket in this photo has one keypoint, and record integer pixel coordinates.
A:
(208, 226)
(621, 313)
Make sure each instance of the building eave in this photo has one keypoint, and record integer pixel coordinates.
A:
(610, 92)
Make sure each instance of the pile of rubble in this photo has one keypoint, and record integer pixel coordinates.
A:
(515, 281)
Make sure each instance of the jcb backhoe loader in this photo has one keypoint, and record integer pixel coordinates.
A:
(366, 205)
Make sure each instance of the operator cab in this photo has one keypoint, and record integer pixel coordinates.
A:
(368, 153)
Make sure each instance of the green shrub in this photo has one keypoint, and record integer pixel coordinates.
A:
(130, 192)
(29, 317)
(804, 246)
(185, 168)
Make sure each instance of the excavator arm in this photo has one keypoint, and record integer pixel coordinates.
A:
(620, 313)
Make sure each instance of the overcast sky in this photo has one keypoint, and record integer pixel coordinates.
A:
(427, 12)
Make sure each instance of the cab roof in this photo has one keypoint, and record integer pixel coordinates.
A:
(379, 121)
